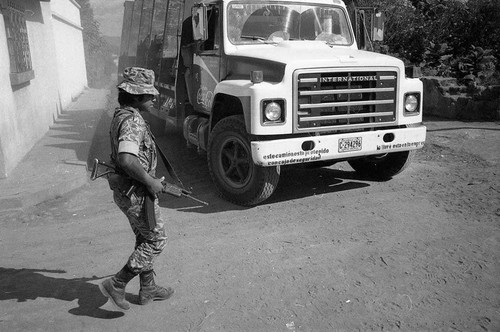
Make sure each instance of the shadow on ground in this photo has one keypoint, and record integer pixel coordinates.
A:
(30, 284)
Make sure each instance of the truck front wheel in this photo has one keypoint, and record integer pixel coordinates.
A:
(383, 167)
(231, 166)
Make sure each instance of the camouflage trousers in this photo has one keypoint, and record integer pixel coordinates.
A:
(149, 243)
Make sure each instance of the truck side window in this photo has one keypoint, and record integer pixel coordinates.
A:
(213, 41)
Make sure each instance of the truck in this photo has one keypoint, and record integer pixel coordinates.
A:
(258, 85)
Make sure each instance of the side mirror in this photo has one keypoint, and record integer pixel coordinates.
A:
(378, 27)
(369, 26)
(200, 23)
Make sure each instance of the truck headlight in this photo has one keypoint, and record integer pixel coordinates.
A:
(273, 111)
(412, 103)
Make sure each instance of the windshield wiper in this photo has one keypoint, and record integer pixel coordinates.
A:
(262, 39)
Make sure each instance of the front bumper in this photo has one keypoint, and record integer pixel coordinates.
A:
(336, 146)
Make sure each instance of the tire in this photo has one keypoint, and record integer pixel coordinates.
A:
(231, 167)
(383, 167)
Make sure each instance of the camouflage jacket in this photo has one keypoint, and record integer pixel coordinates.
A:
(135, 130)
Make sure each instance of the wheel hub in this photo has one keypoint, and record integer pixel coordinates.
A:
(235, 162)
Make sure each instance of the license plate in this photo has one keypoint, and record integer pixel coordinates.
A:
(350, 144)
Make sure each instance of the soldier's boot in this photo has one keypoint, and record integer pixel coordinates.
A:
(150, 291)
(114, 287)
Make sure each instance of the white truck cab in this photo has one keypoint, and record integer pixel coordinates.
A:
(263, 84)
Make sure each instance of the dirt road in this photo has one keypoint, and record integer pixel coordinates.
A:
(328, 252)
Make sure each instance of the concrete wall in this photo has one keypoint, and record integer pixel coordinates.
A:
(27, 110)
(69, 49)
(7, 100)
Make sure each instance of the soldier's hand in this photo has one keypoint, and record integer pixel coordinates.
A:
(155, 185)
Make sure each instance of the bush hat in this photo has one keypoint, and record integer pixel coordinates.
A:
(138, 81)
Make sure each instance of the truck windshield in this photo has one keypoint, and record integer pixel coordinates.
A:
(253, 23)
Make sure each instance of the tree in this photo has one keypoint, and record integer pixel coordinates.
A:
(457, 38)
(98, 56)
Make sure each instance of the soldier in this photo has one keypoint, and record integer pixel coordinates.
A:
(134, 155)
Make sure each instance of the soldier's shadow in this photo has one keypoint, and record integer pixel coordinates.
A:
(30, 284)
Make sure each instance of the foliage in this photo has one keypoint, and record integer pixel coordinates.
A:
(456, 38)
(98, 55)
(478, 65)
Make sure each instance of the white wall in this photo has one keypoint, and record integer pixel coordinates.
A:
(6, 101)
(69, 49)
(57, 56)
(69, 9)
(27, 110)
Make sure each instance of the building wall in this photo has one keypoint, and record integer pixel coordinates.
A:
(27, 110)
(6, 101)
(69, 49)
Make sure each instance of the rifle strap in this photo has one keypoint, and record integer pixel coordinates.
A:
(166, 162)
(169, 167)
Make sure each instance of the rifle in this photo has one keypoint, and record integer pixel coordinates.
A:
(100, 168)
(95, 169)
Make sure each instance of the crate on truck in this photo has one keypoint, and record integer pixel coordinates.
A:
(258, 85)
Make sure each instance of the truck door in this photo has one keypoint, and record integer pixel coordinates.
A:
(169, 61)
(205, 72)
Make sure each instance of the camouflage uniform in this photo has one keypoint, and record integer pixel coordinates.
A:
(130, 134)
(149, 243)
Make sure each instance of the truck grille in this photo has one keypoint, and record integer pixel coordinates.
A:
(344, 100)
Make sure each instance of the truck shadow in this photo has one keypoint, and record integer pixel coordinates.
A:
(29, 284)
(299, 182)
(295, 181)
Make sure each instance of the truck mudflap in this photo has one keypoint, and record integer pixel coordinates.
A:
(336, 146)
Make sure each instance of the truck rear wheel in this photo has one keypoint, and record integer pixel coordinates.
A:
(383, 167)
(231, 166)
